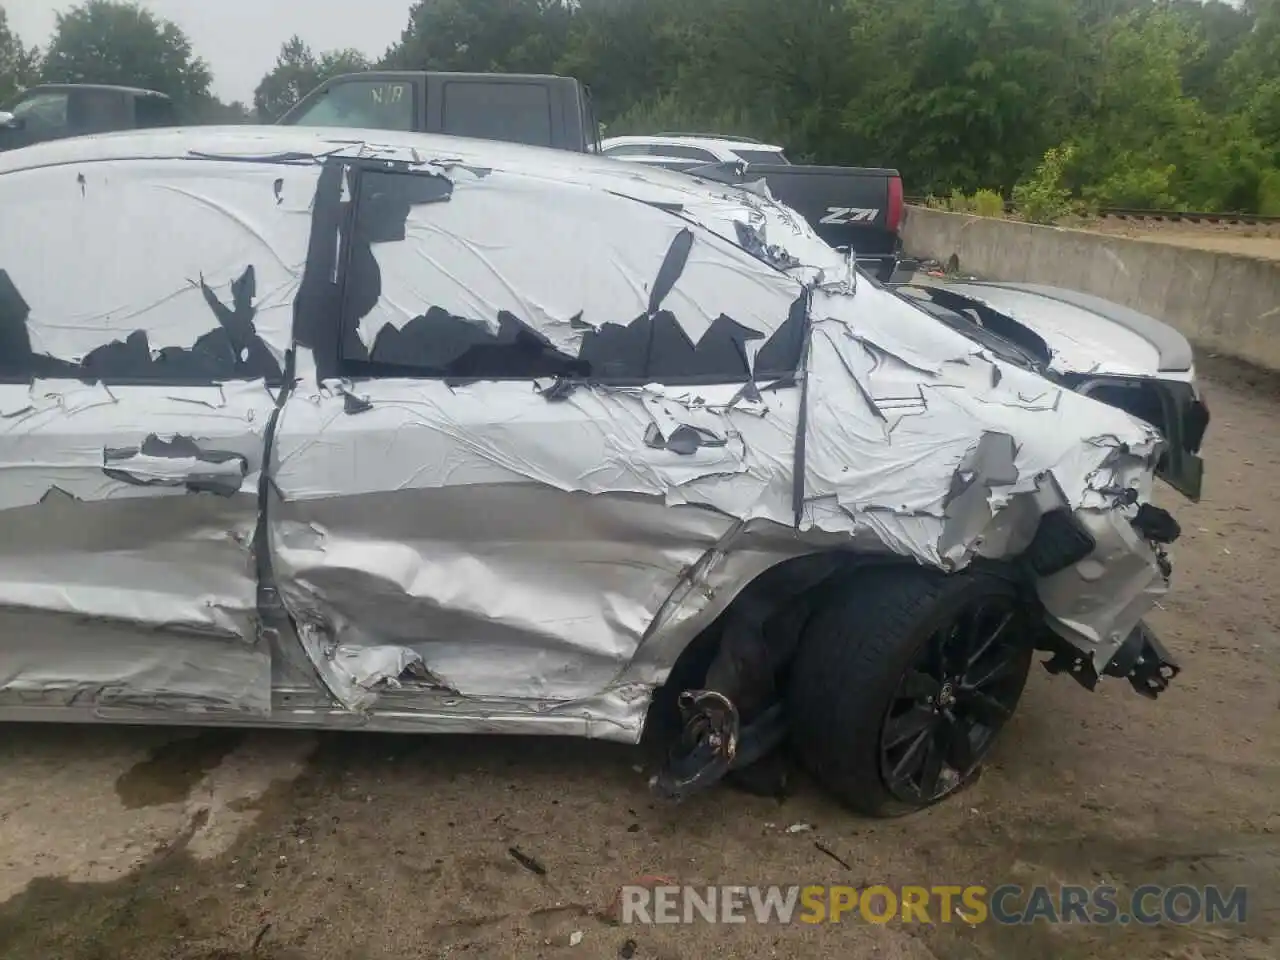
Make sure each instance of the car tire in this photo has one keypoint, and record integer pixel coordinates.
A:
(876, 655)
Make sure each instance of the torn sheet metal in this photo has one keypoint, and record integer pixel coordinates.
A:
(632, 392)
(450, 258)
(131, 541)
(234, 262)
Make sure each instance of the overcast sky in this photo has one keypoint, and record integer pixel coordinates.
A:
(240, 38)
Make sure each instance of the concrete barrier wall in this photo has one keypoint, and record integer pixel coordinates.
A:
(1225, 303)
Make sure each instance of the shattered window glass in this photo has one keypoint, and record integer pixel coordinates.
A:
(532, 279)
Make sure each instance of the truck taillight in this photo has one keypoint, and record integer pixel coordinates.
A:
(895, 204)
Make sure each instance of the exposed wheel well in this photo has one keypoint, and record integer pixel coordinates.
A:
(743, 654)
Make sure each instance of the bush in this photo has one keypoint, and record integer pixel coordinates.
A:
(1269, 194)
(987, 203)
(1042, 198)
(1138, 185)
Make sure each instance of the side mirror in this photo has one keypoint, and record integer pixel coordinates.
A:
(9, 122)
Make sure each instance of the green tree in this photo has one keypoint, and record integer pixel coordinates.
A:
(1253, 74)
(105, 41)
(297, 72)
(511, 36)
(216, 112)
(1220, 29)
(631, 52)
(1144, 142)
(789, 67)
(966, 93)
(18, 62)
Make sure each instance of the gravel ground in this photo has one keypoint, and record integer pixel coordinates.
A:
(149, 844)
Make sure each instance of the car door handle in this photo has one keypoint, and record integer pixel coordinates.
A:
(180, 462)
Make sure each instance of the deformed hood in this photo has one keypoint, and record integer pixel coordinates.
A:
(1086, 334)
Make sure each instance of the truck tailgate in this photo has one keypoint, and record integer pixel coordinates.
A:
(847, 206)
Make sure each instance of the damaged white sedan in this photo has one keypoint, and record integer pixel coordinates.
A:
(378, 430)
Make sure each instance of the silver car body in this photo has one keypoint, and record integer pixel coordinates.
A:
(232, 390)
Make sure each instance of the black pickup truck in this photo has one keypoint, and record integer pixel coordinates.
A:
(52, 111)
(537, 109)
(851, 208)
(858, 208)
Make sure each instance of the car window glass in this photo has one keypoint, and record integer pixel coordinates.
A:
(677, 151)
(511, 277)
(98, 111)
(376, 104)
(42, 112)
(155, 112)
(514, 112)
(629, 150)
(761, 156)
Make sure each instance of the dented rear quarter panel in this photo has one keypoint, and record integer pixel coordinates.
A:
(535, 543)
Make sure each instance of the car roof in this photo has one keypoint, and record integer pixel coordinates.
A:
(275, 143)
(714, 206)
(705, 142)
(114, 88)
(289, 144)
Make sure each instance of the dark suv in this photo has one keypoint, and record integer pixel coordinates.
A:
(52, 111)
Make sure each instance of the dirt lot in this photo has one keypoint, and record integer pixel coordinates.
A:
(1250, 241)
(120, 844)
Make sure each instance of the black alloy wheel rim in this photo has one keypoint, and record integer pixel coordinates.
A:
(953, 699)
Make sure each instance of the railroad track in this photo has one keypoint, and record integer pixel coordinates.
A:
(1165, 216)
(1185, 216)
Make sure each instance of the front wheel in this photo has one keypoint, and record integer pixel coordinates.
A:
(902, 683)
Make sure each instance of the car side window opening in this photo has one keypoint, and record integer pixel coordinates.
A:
(378, 104)
(467, 285)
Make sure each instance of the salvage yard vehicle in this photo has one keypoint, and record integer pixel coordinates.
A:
(541, 110)
(353, 428)
(51, 111)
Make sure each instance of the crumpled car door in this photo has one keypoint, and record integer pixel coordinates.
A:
(135, 397)
(453, 513)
